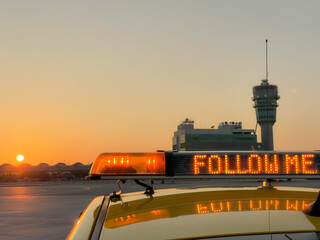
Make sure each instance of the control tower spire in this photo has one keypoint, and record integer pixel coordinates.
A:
(265, 98)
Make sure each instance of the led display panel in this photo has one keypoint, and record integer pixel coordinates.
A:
(245, 163)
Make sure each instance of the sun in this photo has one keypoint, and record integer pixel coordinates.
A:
(20, 158)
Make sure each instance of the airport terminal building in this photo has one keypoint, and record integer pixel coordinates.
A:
(228, 136)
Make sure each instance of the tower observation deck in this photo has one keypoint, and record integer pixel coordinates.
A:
(265, 98)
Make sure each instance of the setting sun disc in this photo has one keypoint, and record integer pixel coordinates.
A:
(20, 158)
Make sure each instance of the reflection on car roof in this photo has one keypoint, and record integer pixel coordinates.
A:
(205, 212)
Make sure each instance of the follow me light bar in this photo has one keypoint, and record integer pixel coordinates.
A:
(206, 164)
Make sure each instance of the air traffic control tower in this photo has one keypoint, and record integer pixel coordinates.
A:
(265, 98)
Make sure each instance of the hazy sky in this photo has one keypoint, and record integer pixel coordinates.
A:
(83, 77)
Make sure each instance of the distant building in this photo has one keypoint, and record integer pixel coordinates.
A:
(265, 98)
(43, 172)
(228, 136)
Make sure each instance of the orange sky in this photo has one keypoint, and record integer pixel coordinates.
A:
(79, 78)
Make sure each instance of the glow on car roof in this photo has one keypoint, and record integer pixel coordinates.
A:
(206, 213)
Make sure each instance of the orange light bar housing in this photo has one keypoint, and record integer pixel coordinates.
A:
(152, 163)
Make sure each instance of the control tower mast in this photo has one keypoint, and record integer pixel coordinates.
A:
(265, 98)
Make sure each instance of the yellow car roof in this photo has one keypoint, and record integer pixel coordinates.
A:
(209, 212)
